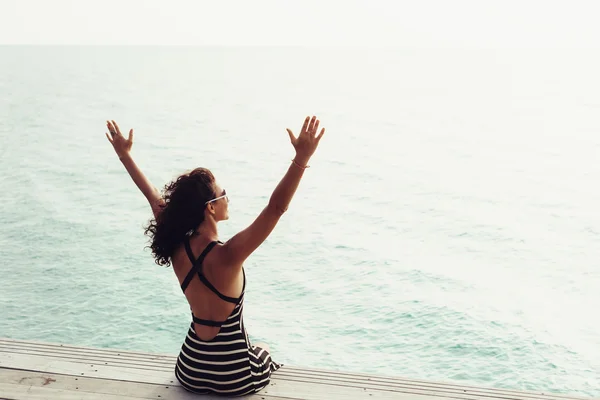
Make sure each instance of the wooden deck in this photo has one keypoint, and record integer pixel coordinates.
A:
(34, 370)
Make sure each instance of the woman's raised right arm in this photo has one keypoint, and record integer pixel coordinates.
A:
(244, 243)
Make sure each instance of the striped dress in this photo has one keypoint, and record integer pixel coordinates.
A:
(228, 364)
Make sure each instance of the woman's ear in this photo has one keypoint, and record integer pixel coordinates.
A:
(211, 208)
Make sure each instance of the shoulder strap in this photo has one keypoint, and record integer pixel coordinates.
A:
(214, 289)
(196, 264)
(197, 268)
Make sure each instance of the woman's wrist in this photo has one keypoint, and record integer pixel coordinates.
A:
(301, 161)
(300, 165)
(124, 156)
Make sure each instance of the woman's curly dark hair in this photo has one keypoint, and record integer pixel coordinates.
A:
(181, 213)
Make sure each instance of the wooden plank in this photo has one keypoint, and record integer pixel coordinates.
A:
(49, 365)
(69, 388)
(329, 374)
(71, 349)
(329, 379)
(411, 390)
(107, 387)
(165, 362)
(285, 389)
(15, 342)
(83, 358)
(158, 369)
(85, 384)
(136, 390)
(408, 387)
(21, 392)
(316, 391)
(416, 387)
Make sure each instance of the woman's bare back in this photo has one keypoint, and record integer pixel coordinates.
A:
(206, 304)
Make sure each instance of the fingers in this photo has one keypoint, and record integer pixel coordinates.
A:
(315, 128)
(311, 125)
(320, 135)
(116, 127)
(111, 128)
(305, 126)
(108, 137)
(130, 138)
(292, 137)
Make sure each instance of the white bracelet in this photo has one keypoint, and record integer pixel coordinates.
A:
(300, 166)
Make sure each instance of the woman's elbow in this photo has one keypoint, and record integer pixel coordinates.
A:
(276, 210)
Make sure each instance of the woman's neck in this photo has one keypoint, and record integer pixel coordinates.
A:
(208, 229)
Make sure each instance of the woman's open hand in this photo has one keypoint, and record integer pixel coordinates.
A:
(121, 145)
(307, 141)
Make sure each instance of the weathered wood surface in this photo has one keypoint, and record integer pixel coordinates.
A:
(35, 370)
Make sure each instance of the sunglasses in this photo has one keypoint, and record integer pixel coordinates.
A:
(223, 195)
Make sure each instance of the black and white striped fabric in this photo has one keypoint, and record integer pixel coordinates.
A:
(228, 364)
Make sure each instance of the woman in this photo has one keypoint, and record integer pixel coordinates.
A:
(216, 356)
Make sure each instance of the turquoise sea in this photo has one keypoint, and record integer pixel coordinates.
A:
(448, 228)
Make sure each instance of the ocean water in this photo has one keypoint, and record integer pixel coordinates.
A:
(448, 227)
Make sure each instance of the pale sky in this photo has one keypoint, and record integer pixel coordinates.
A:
(414, 23)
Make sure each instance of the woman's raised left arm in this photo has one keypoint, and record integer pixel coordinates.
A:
(122, 147)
